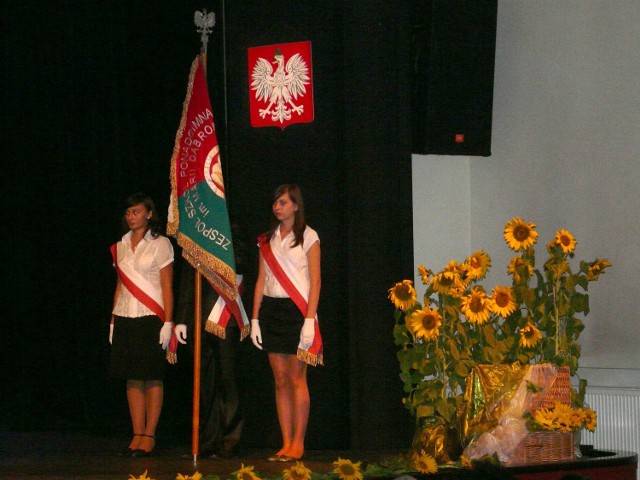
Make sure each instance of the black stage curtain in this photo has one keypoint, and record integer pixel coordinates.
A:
(93, 97)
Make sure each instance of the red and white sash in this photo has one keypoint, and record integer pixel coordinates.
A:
(222, 311)
(140, 288)
(288, 278)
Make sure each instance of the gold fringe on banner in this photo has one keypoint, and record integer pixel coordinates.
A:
(244, 333)
(310, 358)
(172, 357)
(215, 328)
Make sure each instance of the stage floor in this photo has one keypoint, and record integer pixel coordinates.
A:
(67, 455)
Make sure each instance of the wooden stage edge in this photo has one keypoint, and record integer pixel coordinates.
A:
(66, 455)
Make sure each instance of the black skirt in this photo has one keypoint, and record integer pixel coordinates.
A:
(135, 351)
(280, 325)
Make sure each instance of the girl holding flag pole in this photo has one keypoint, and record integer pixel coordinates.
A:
(284, 321)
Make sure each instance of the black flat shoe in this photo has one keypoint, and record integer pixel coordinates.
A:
(139, 453)
(126, 452)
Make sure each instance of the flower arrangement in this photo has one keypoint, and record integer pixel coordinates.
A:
(561, 418)
(459, 323)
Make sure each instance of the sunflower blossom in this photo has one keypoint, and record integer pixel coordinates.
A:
(425, 323)
(447, 282)
(504, 303)
(425, 464)
(246, 473)
(590, 419)
(141, 477)
(195, 476)
(403, 295)
(596, 268)
(566, 241)
(477, 307)
(478, 264)
(347, 470)
(529, 335)
(520, 235)
(297, 472)
(425, 273)
(520, 269)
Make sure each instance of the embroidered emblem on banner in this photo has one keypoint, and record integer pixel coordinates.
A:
(281, 81)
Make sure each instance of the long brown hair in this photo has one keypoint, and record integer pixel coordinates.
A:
(299, 223)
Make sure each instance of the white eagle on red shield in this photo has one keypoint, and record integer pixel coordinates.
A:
(281, 86)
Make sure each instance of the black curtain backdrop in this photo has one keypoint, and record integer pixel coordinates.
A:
(93, 97)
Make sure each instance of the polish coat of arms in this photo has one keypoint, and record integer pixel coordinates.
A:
(281, 85)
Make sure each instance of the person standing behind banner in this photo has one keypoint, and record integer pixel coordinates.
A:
(284, 321)
(221, 418)
(141, 320)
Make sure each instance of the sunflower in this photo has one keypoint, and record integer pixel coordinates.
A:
(403, 295)
(425, 323)
(246, 473)
(544, 418)
(478, 264)
(529, 335)
(425, 273)
(590, 419)
(425, 464)
(347, 470)
(596, 268)
(297, 472)
(195, 476)
(477, 307)
(566, 241)
(141, 477)
(520, 269)
(504, 303)
(520, 235)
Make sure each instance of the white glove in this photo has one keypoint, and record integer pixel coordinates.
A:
(111, 334)
(165, 334)
(256, 334)
(181, 333)
(308, 332)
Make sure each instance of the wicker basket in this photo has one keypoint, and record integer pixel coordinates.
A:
(559, 390)
(542, 447)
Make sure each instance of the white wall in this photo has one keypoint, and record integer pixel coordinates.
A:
(565, 154)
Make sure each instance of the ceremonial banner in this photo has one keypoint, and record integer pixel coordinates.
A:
(198, 216)
(282, 95)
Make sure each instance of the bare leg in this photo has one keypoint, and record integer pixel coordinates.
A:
(301, 404)
(292, 402)
(283, 404)
(136, 401)
(153, 398)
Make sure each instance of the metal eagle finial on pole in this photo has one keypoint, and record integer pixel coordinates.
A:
(205, 23)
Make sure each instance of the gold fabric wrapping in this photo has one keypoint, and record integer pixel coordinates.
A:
(485, 397)
(431, 439)
(497, 397)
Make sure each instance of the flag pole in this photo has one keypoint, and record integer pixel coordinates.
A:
(205, 23)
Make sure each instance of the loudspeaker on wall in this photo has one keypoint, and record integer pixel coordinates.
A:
(453, 44)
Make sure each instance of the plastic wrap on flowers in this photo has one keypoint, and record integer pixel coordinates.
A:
(498, 397)
(431, 439)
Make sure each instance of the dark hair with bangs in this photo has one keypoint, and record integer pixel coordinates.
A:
(155, 222)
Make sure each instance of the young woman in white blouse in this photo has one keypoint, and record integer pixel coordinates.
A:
(284, 321)
(141, 320)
